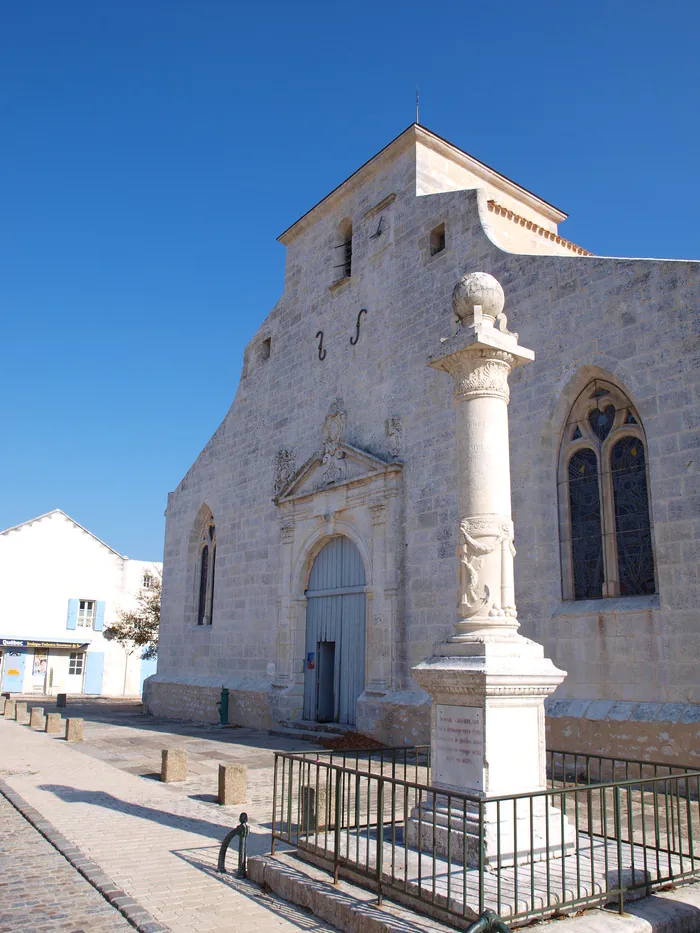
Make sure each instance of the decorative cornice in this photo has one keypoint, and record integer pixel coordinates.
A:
(502, 211)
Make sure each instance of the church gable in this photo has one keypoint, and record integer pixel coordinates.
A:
(335, 464)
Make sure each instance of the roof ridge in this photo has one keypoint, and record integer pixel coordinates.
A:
(30, 521)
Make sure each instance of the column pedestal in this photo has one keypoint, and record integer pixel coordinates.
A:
(488, 742)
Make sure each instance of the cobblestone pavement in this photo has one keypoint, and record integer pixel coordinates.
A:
(40, 891)
(157, 842)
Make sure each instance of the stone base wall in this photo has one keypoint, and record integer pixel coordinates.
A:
(193, 702)
(659, 732)
(401, 718)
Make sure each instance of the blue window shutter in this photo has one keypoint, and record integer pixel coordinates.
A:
(72, 620)
(100, 615)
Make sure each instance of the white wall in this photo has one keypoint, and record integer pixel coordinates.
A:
(44, 564)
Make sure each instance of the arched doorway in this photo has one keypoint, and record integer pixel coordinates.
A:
(334, 665)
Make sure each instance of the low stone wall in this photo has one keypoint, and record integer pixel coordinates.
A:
(249, 704)
(193, 702)
(661, 732)
(401, 718)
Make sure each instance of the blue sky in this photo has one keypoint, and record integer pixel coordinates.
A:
(152, 151)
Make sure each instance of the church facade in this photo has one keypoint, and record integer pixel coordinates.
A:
(310, 550)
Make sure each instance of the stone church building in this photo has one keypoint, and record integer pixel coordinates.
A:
(310, 549)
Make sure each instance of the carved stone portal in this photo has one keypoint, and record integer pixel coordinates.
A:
(340, 490)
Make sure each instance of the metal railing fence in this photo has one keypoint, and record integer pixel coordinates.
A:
(591, 838)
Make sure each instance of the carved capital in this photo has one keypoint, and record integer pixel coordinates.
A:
(482, 372)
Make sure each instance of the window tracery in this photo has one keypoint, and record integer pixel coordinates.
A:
(605, 515)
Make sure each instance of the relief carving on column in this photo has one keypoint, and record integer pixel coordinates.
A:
(482, 586)
(284, 468)
(333, 462)
(481, 373)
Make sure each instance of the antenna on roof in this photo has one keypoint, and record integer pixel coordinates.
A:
(417, 120)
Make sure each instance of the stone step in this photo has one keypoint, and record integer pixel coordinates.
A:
(307, 734)
(327, 728)
(346, 906)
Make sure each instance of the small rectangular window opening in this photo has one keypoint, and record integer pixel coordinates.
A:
(437, 240)
(266, 348)
(86, 613)
(75, 663)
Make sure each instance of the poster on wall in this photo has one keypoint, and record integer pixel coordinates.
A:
(41, 662)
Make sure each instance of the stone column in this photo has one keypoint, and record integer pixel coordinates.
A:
(487, 683)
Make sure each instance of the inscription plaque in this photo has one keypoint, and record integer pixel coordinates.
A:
(460, 747)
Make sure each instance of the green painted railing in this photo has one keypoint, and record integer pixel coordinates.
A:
(602, 829)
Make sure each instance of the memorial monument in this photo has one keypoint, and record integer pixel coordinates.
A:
(487, 683)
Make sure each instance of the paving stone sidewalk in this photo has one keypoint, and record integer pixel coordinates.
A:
(40, 892)
(158, 844)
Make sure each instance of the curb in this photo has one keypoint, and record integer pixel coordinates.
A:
(353, 909)
(131, 910)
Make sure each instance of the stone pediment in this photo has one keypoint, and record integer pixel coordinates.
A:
(335, 464)
(324, 470)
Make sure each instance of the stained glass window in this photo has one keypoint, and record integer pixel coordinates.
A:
(632, 523)
(601, 420)
(586, 526)
(606, 516)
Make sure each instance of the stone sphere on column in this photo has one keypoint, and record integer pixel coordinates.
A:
(477, 288)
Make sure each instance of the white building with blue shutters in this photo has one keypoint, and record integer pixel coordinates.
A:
(60, 586)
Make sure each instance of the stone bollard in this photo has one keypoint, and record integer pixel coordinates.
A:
(21, 715)
(173, 765)
(53, 723)
(317, 810)
(74, 730)
(233, 784)
(36, 718)
(10, 709)
(60, 701)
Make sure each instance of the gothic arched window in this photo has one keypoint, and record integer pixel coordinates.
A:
(207, 567)
(604, 509)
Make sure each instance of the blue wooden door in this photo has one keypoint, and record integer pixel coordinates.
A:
(13, 670)
(94, 669)
(335, 615)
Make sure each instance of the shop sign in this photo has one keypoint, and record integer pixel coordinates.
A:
(28, 643)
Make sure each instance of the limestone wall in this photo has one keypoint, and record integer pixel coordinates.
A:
(634, 321)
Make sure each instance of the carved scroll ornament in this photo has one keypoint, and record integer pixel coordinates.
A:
(333, 460)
